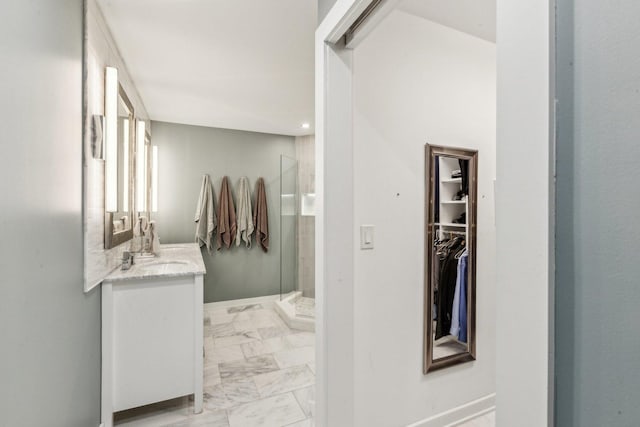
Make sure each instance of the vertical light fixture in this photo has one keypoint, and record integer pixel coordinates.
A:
(154, 179)
(125, 164)
(111, 133)
(141, 168)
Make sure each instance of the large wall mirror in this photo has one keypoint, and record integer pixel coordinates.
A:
(450, 258)
(119, 162)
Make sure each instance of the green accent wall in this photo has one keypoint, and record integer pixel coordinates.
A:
(186, 153)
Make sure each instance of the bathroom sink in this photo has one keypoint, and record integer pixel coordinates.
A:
(162, 266)
(168, 248)
(154, 263)
(176, 260)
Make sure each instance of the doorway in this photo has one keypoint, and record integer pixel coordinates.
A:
(524, 123)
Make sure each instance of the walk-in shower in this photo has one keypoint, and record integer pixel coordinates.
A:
(297, 290)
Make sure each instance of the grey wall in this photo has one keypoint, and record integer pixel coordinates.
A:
(50, 330)
(598, 274)
(324, 6)
(185, 154)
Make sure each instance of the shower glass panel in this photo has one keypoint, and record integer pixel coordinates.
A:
(288, 225)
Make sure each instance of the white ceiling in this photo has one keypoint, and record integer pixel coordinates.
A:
(237, 64)
(475, 17)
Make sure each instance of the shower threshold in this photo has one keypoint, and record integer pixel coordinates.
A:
(298, 312)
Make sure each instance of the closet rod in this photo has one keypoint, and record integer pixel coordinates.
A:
(463, 233)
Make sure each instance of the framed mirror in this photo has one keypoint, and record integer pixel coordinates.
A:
(450, 256)
(119, 164)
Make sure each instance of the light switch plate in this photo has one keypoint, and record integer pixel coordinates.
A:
(366, 236)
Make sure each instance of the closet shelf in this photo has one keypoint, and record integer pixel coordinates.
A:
(452, 181)
(453, 202)
(450, 224)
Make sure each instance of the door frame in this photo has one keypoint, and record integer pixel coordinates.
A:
(525, 130)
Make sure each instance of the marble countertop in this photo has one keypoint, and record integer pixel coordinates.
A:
(173, 260)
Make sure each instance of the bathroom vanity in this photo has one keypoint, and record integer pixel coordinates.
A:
(152, 338)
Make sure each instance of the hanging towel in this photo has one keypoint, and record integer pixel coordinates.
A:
(261, 216)
(245, 216)
(226, 216)
(205, 218)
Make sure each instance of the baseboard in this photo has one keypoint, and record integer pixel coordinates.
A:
(461, 414)
(244, 301)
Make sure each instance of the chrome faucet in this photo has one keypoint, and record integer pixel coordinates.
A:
(127, 260)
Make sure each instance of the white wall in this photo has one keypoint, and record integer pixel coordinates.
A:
(50, 330)
(324, 6)
(524, 190)
(415, 82)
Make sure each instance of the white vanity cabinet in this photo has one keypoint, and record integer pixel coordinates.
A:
(152, 333)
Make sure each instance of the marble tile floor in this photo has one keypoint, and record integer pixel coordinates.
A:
(258, 372)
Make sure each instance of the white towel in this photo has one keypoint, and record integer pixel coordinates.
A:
(205, 218)
(245, 215)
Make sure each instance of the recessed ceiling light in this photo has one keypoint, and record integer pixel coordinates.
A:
(306, 126)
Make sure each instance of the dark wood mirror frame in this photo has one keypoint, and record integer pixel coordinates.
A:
(432, 152)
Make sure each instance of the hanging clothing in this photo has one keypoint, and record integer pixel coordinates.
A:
(226, 216)
(457, 308)
(464, 288)
(464, 174)
(435, 278)
(261, 216)
(436, 190)
(435, 269)
(205, 218)
(245, 215)
(446, 288)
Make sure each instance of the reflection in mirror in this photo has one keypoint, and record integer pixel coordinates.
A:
(121, 220)
(142, 168)
(119, 116)
(451, 211)
(153, 175)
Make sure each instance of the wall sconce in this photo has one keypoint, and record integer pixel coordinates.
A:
(141, 168)
(125, 165)
(154, 179)
(111, 133)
